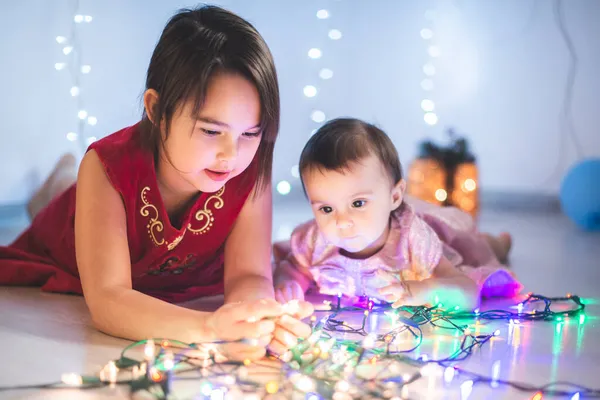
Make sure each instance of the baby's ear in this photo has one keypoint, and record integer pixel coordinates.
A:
(398, 193)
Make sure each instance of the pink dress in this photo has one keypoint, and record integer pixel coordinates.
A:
(420, 234)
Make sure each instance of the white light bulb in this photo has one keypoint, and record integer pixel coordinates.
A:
(295, 171)
(90, 140)
(342, 386)
(322, 14)
(78, 18)
(427, 105)
(284, 187)
(305, 384)
(61, 39)
(149, 349)
(470, 185)
(314, 53)
(92, 121)
(448, 374)
(429, 69)
(335, 34)
(310, 91)
(67, 50)
(71, 379)
(427, 84)
(59, 66)
(74, 91)
(317, 116)
(168, 361)
(82, 114)
(325, 73)
(426, 33)
(434, 51)
(85, 69)
(88, 18)
(71, 136)
(465, 389)
(441, 195)
(369, 341)
(430, 118)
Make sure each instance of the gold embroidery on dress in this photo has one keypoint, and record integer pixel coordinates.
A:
(176, 241)
(206, 215)
(154, 225)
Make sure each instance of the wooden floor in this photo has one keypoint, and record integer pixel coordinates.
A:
(45, 335)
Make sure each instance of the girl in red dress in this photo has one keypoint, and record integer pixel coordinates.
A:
(177, 206)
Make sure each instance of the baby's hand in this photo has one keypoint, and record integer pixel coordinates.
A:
(409, 293)
(289, 290)
(289, 327)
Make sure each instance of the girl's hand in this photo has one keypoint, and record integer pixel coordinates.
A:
(253, 321)
(287, 291)
(289, 327)
(409, 293)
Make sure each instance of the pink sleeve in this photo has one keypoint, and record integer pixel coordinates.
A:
(297, 257)
(425, 248)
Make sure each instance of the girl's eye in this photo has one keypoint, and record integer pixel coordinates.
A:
(252, 134)
(358, 203)
(209, 132)
(326, 209)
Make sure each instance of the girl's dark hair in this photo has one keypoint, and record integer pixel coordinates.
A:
(194, 46)
(343, 141)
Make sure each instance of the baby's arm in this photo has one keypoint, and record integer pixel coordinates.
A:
(103, 261)
(447, 285)
(291, 276)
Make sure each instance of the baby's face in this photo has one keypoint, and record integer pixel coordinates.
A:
(352, 208)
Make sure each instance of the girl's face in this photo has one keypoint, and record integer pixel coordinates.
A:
(352, 208)
(203, 152)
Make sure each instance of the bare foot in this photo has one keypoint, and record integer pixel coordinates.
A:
(61, 178)
(500, 244)
(505, 240)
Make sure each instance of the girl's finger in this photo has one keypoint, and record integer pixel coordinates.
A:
(255, 329)
(256, 310)
(294, 326)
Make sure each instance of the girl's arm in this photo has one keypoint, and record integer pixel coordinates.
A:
(104, 267)
(248, 273)
(447, 286)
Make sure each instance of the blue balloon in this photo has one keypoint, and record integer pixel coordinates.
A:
(580, 194)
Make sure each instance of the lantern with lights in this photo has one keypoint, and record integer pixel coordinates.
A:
(446, 175)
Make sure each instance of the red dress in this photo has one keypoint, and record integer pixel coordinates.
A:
(168, 262)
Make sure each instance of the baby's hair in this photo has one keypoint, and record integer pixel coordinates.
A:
(343, 141)
(195, 45)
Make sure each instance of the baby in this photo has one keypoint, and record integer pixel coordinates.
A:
(368, 239)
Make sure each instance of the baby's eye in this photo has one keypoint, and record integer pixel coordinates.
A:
(358, 203)
(209, 132)
(326, 209)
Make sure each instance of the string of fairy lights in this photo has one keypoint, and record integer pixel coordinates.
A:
(429, 69)
(72, 62)
(311, 91)
(341, 361)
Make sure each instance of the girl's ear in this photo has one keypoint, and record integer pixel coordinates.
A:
(398, 193)
(150, 102)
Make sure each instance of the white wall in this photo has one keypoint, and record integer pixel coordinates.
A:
(501, 78)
